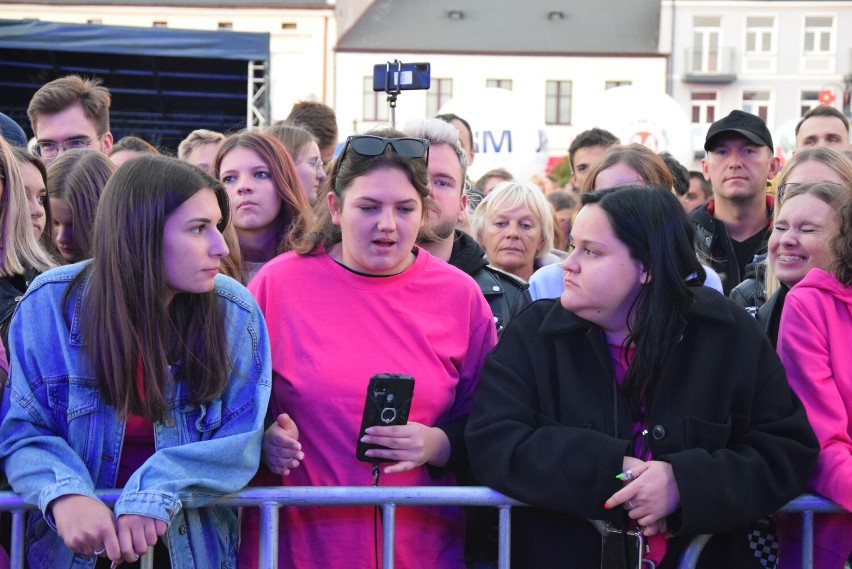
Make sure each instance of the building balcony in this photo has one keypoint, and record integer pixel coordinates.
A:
(710, 65)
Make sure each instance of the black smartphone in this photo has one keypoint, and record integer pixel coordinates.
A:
(398, 76)
(622, 549)
(388, 403)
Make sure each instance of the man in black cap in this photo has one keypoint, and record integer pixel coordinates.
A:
(734, 226)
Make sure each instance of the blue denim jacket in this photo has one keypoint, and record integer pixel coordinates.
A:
(59, 437)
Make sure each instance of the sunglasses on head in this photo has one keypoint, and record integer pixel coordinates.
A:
(369, 145)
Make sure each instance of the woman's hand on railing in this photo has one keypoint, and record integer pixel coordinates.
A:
(411, 445)
(650, 497)
(86, 525)
(136, 534)
(281, 450)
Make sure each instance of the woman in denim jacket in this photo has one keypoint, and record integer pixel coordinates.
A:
(143, 369)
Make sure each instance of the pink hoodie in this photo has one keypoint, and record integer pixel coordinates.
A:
(813, 342)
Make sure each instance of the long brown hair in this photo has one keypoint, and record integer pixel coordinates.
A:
(125, 320)
(46, 239)
(78, 177)
(282, 170)
(641, 159)
(19, 247)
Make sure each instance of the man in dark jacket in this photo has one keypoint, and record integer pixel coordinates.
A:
(505, 293)
(734, 226)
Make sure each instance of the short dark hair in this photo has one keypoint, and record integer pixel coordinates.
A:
(61, 93)
(318, 118)
(133, 144)
(592, 137)
(680, 175)
(499, 173)
(823, 111)
(706, 186)
(450, 117)
(561, 200)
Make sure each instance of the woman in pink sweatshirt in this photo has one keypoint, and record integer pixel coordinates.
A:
(813, 344)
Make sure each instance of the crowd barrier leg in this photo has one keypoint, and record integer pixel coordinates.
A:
(504, 537)
(388, 532)
(17, 553)
(267, 552)
(807, 539)
(147, 560)
(689, 557)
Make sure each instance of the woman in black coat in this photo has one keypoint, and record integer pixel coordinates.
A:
(639, 398)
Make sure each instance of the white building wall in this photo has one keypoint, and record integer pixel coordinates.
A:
(529, 75)
(301, 56)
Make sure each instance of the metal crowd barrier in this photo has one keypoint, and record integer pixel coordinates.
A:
(269, 499)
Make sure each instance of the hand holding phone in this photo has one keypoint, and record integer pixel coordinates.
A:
(388, 403)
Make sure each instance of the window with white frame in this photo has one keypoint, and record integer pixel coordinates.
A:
(819, 49)
(760, 47)
(808, 100)
(375, 104)
(557, 108)
(706, 44)
(438, 95)
(499, 83)
(819, 35)
(757, 103)
(705, 106)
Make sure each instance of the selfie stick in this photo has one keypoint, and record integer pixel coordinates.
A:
(393, 94)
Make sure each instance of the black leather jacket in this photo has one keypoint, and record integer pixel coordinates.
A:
(714, 247)
(10, 295)
(506, 294)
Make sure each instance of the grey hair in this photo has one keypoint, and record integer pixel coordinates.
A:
(507, 196)
(437, 131)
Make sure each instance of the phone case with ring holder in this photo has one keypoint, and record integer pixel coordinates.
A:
(388, 403)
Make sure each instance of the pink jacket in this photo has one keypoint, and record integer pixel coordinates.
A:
(813, 343)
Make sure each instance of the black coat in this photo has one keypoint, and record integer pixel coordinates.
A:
(550, 427)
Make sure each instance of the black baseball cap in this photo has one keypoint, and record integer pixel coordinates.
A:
(746, 124)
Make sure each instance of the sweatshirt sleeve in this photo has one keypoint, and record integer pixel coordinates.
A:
(804, 347)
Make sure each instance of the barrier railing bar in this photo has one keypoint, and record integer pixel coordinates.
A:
(268, 547)
(388, 532)
(269, 499)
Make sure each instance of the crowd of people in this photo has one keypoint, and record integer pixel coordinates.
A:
(181, 327)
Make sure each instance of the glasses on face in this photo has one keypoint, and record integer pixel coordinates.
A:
(50, 150)
(316, 164)
(782, 189)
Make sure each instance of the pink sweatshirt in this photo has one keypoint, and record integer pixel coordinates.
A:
(331, 330)
(813, 342)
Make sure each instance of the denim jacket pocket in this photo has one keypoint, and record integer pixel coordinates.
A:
(707, 435)
(72, 396)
